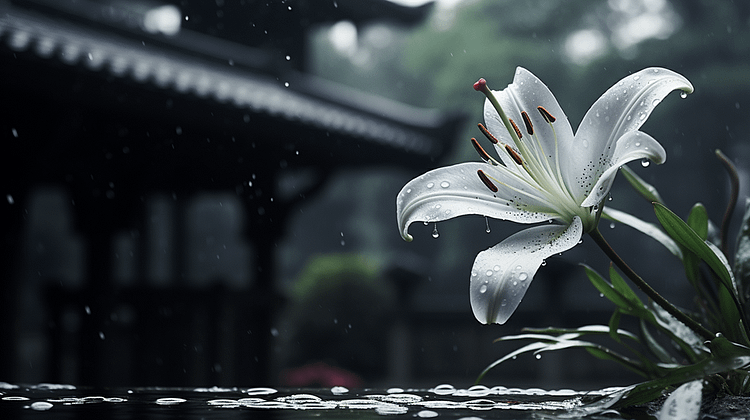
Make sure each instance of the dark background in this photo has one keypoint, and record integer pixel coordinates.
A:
(348, 299)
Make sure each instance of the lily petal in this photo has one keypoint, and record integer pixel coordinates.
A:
(502, 274)
(621, 109)
(526, 93)
(452, 191)
(633, 145)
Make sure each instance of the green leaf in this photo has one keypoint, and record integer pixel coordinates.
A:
(608, 291)
(698, 220)
(614, 324)
(687, 237)
(653, 345)
(621, 286)
(646, 228)
(731, 321)
(742, 255)
(643, 188)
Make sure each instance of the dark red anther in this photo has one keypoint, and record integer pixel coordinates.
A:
(487, 134)
(480, 150)
(546, 115)
(527, 122)
(513, 154)
(515, 127)
(486, 181)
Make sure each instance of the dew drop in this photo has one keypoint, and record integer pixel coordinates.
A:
(544, 263)
(637, 144)
(496, 268)
(645, 163)
(487, 224)
(683, 95)
(445, 184)
(488, 273)
(483, 288)
(408, 190)
(612, 225)
(435, 233)
(655, 102)
(518, 268)
(538, 356)
(523, 276)
(585, 143)
(430, 184)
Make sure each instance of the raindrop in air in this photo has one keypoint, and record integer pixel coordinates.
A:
(645, 163)
(435, 233)
(612, 225)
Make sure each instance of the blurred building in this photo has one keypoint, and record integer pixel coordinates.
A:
(153, 154)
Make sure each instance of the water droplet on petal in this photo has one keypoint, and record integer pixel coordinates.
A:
(445, 184)
(430, 184)
(496, 268)
(488, 273)
(538, 356)
(483, 288)
(523, 276)
(585, 143)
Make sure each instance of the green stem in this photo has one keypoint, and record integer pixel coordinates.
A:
(648, 290)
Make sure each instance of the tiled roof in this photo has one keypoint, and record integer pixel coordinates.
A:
(195, 64)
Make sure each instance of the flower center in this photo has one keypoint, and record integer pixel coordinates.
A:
(533, 166)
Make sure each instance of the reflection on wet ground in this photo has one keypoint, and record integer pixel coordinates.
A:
(445, 401)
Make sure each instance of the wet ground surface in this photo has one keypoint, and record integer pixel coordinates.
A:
(443, 401)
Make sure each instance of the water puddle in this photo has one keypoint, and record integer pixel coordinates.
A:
(442, 401)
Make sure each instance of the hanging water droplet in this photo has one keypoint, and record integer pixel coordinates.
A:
(645, 163)
(538, 356)
(612, 225)
(683, 95)
(544, 263)
(435, 233)
(487, 223)
(445, 184)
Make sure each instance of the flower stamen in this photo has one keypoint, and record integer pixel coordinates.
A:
(492, 187)
(546, 115)
(484, 155)
(513, 154)
(527, 122)
(487, 134)
(515, 127)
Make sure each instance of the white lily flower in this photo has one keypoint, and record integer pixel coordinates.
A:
(545, 173)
